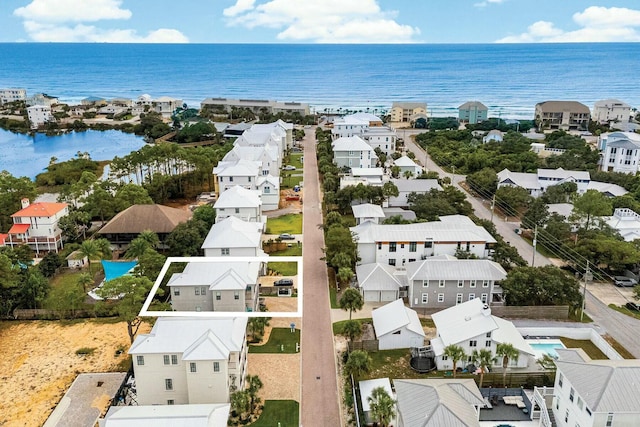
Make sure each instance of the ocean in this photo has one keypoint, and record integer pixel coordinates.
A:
(509, 78)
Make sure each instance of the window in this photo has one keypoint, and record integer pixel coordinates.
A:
(197, 290)
(167, 359)
(458, 298)
(468, 246)
(236, 295)
(174, 359)
(224, 251)
(230, 179)
(459, 243)
(379, 245)
(566, 416)
(560, 378)
(412, 259)
(425, 283)
(267, 189)
(487, 343)
(579, 403)
(237, 210)
(425, 298)
(460, 283)
(168, 384)
(392, 262)
(398, 332)
(473, 343)
(176, 292)
(218, 296)
(571, 393)
(203, 290)
(401, 245)
(440, 297)
(249, 178)
(489, 334)
(484, 298)
(192, 367)
(471, 296)
(392, 246)
(216, 366)
(441, 283)
(485, 283)
(170, 402)
(413, 246)
(428, 244)
(473, 284)
(140, 360)
(445, 357)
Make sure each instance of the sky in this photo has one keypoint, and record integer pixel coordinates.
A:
(320, 21)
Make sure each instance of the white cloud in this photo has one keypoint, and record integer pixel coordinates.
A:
(65, 21)
(323, 21)
(72, 10)
(488, 2)
(599, 24)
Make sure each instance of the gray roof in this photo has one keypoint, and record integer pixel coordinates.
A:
(416, 185)
(473, 104)
(558, 106)
(457, 269)
(438, 402)
(179, 334)
(564, 174)
(194, 415)
(379, 277)
(404, 213)
(604, 385)
(451, 228)
(612, 190)
(367, 210)
(409, 105)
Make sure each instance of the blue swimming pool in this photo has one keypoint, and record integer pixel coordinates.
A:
(115, 269)
(549, 348)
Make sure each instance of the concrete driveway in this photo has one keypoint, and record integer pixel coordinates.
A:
(610, 294)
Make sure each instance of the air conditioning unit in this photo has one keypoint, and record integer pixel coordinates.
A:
(403, 294)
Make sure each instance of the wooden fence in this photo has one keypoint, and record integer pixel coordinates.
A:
(366, 345)
(41, 313)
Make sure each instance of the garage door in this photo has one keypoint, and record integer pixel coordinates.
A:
(371, 296)
(388, 295)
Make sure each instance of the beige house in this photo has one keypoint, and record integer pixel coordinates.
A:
(408, 111)
(564, 115)
(187, 360)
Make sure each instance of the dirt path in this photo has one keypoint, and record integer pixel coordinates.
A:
(40, 363)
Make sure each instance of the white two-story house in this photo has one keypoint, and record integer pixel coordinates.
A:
(239, 202)
(594, 393)
(234, 237)
(381, 137)
(398, 244)
(36, 225)
(471, 326)
(166, 106)
(354, 124)
(353, 152)
(267, 155)
(190, 360)
(620, 152)
(240, 172)
(216, 286)
(444, 281)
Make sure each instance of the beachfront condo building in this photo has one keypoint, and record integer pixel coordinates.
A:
(407, 112)
(39, 115)
(255, 105)
(12, 95)
(472, 112)
(611, 110)
(562, 115)
(190, 360)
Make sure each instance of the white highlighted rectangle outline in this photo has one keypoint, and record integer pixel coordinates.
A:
(144, 312)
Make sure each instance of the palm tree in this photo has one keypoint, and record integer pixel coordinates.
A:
(507, 352)
(407, 174)
(256, 326)
(84, 280)
(254, 384)
(240, 403)
(351, 329)
(137, 247)
(484, 359)
(149, 237)
(351, 300)
(358, 363)
(456, 354)
(381, 406)
(89, 249)
(345, 274)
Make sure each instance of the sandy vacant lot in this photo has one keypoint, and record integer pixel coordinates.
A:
(40, 363)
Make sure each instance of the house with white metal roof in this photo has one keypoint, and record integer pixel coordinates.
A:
(407, 165)
(267, 155)
(200, 415)
(493, 135)
(444, 281)
(438, 403)
(471, 326)
(592, 393)
(269, 188)
(608, 189)
(397, 326)
(367, 212)
(240, 172)
(397, 244)
(537, 183)
(611, 110)
(240, 202)
(626, 222)
(620, 152)
(234, 237)
(381, 137)
(366, 387)
(354, 124)
(408, 186)
(528, 181)
(365, 176)
(380, 282)
(216, 286)
(352, 151)
(187, 360)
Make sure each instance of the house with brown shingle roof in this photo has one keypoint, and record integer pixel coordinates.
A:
(565, 115)
(128, 224)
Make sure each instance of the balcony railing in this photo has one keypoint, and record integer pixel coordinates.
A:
(542, 396)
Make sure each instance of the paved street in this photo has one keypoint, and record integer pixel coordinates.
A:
(319, 403)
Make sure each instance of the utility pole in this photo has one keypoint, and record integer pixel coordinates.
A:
(493, 205)
(587, 273)
(453, 175)
(535, 242)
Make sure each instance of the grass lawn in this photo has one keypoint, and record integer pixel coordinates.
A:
(624, 310)
(618, 347)
(283, 268)
(295, 250)
(337, 327)
(391, 364)
(427, 322)
(279, 337)
(575, 316)
(290, 181)
(333, 293)
(283, 413)
(69, 279)
(588, 347)
(294, 160)
(289, 223)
